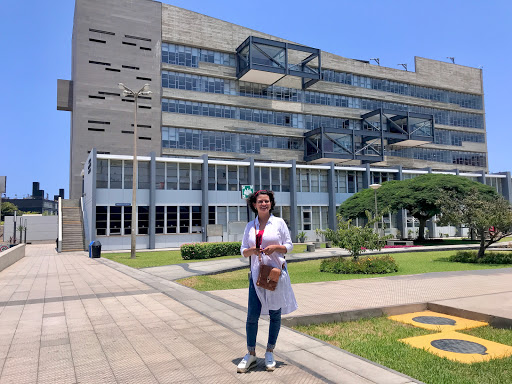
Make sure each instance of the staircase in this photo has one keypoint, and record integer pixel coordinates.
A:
(72, 226)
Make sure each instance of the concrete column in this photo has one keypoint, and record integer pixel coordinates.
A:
(331, 188)
(293, 201)
(93, 197)
(481, 178)
(429, 169)
(204, 198)
(506, 186)
(152, 200)
(401, 215)
(367, 177)
(252, 180)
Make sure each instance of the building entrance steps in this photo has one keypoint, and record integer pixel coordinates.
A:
(69, 318)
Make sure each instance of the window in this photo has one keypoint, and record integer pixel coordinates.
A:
(304, 180)
(323, 180)
(196, 219)
(115, 220)
(276, 179)
(101, 220)
(211, 215)
(196, 176)
(143, 220)
(184, 176)
(316, 217)
(315, 182)
(232, 178)
(324, 211)
(221, 178)
(265, 178)
(172, 176)
(172, 219)
(143, 175)
(102, 173)
(243, 177)
(306, 218)
(159, 219)
(128, 174)
(116, 174)
(211, 178)
(160, 176)
(127, 220)
(184, 219)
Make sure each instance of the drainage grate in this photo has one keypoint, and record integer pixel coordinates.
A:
(435, 320)
(459, 346)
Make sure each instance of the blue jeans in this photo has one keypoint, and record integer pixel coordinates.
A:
(253, 315)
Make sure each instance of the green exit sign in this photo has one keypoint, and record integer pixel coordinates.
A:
(246, 191)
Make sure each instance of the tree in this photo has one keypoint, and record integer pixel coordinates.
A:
(356, 239)
(422, 196)
(490, 218)
(8, 208)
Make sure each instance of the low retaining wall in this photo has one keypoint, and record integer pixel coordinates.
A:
(12, 255)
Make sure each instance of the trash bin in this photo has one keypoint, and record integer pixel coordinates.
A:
(95, 249)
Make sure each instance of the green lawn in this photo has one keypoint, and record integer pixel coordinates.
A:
(159, 258)
(309, 271)
(377, 340)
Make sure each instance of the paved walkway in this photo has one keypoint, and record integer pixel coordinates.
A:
(65, 318)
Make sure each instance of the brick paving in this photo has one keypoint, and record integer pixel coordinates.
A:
(65, 318)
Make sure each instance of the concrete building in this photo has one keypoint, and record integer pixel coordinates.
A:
(234, 106)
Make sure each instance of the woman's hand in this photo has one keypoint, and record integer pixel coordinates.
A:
(274, 248)
(251, 251)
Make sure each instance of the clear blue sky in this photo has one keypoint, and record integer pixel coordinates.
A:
(36, 40)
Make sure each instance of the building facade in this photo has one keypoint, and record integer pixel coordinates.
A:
(227, 100)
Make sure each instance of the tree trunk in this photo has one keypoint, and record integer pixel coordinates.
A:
(481, 250)
(421, 234)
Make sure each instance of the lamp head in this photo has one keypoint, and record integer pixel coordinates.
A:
(375, 186)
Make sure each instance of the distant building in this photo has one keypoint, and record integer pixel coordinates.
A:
(36, 202)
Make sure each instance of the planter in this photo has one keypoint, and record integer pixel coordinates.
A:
(301, 240)
(311, 247)
(328, 244)
(317, 244)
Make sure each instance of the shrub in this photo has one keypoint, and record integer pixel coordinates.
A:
(198, 251)
(488, 258)
(363, 265)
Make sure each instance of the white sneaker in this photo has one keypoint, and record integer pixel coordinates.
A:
(270, 363)
(248, 362)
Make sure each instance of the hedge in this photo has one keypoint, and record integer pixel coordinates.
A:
(197, 251)
(363, 265)
(488, 258)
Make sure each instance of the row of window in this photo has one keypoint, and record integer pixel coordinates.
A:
(452, 157)
(116, 221)
(456, 138)
(222, 86)
(463, 99)
(204, 140)
(188, 56)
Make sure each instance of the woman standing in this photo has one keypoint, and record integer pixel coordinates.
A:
(266, 241)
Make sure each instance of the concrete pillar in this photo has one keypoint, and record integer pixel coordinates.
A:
(94, 169)
(293, 201)
(506, 186)
(481, 178)
(331, 188)
(252, 180)
(401, 216)
(152, 200)
(367, 177)
(204, 198)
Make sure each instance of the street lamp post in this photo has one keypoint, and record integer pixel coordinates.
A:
(375, 187)
(128, 92)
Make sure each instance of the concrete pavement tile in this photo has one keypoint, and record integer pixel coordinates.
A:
(301, 378)
(327, 369)
(208, 369)
(361, 367)
(18, 379)
(223, 378)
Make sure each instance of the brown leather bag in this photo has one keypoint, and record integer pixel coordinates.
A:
(268, 277)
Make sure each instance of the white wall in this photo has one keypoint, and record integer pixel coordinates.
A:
(38, 227)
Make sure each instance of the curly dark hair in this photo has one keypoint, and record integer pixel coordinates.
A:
(251, 200)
